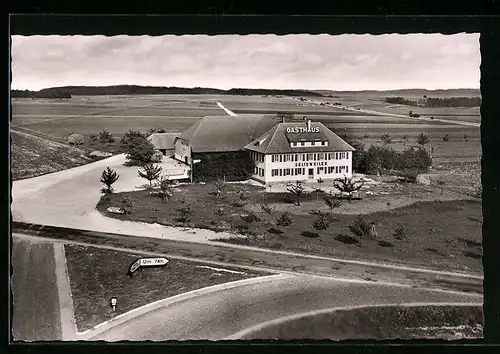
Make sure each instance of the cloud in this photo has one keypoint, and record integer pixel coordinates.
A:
(264, 61)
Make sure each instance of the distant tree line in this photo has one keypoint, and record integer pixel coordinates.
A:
(40, 94)
(437, 102)
(56, 92)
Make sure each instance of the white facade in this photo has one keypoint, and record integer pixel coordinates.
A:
(182, 151)
(274, 168)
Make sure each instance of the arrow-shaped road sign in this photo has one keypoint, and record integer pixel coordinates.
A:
(146, 262)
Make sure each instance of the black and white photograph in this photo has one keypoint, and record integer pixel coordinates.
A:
(246, 187)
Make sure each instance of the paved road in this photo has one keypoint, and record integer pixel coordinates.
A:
(36, 313)
(249, 257)
(218, 315)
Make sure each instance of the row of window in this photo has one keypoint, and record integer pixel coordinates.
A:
(257, 156)
(310, 157)
(302, 171)
(312, 143)
(258, 171)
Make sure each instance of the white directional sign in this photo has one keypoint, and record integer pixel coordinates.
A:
(145, 262)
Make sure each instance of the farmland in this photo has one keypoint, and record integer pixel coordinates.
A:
(87, 115)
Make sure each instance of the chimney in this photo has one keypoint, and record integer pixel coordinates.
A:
(308, 124)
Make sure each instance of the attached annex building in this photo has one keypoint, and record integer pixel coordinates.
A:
(282, 151)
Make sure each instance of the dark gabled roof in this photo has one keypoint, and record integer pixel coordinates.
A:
(227, 133)
(163, 140)
(277, 140)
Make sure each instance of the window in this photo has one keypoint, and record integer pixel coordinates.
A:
(303, 157)
(323, 143)
(347, 169)
(298, 171)
(315, 157)
(303, 171)
(296, 157)
(281, 172)
(321, 156)
(281, 158)
(318, 171)
(302, 143)
(294, 144)
(255, 170)
(262, 172)
(347, 155)
(313, 143)
(272, 158)
(336, 169)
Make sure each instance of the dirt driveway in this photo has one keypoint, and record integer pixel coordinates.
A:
(68, 199)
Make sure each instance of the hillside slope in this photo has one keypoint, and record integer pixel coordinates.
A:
(33, 156)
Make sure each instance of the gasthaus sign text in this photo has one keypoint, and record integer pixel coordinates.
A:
(302, 130)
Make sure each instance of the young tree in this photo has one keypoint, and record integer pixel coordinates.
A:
(386, 139)
(405, 139)
(296, 189)
(108, 178)
(423, 139)
(446, 137)
(185, 212)
(150, 172)
(267, 208)
(220, 189)
(284, 220)
(465, 137)
(348, 185)
(332, 202)
(441, 183)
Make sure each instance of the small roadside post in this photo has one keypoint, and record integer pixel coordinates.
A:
(113, 302)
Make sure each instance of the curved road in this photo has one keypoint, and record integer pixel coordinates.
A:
(218, 315)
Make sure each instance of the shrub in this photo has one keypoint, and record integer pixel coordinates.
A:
(362, 228)
(126, 205)
(220, 189)
(108, 178)
(140, 149)
(275, 231)
(75, 139)
(400, 233)
(164, 189)
(105, 137)
(267, 208)
(242, 229)
(219, 211)
(309, 234)
(322, 222)
(157, 156)
(129, 137)
(441, 183)
(250, 217)
(386, 139)
(238, 204)
(284, 220)
(93, 137)
(184, 213)
(446, 137)
(347, 239)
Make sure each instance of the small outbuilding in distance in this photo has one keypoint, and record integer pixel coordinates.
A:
(164, 142)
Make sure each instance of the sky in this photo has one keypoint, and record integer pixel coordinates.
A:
(342, 62)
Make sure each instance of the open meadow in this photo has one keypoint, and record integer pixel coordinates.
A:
(88, 115)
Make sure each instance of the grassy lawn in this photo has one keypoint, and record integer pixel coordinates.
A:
(34, 155)
(441, 234)
(98, 274)
(382, 323)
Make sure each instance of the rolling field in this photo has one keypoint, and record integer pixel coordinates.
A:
(87, 115)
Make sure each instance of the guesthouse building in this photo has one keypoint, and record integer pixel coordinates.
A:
(282, 151)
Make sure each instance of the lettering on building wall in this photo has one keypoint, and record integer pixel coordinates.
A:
(302, 130)
(305, 164)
